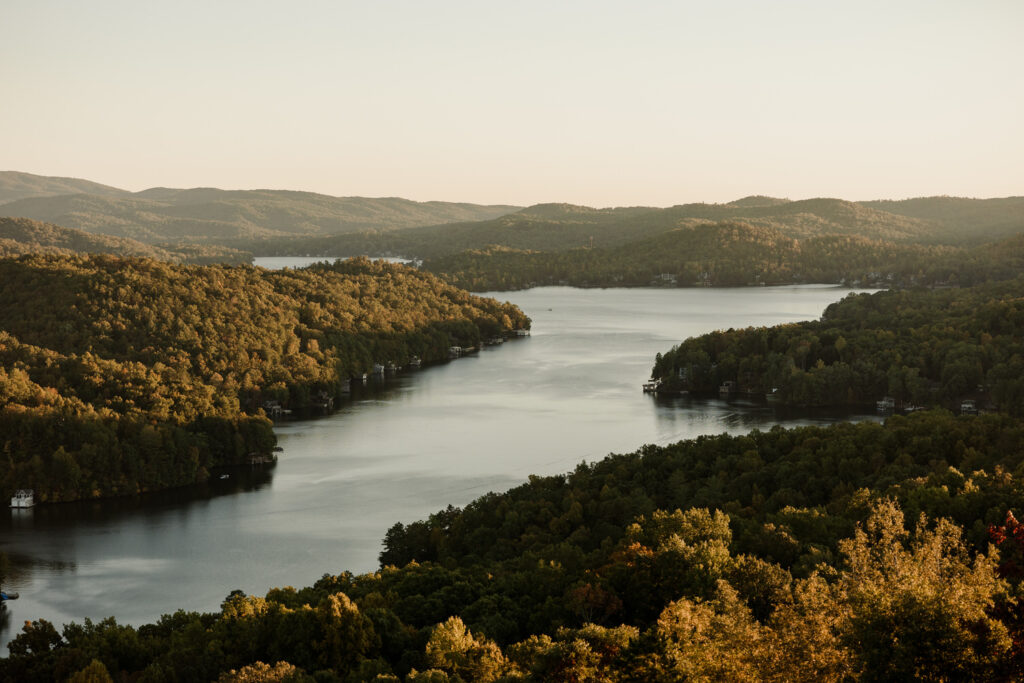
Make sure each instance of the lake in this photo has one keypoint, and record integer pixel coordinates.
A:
(278, 262)
(400, 449)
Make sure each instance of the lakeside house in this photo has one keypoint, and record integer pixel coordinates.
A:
(23, 498)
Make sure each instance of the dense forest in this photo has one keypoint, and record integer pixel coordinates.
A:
(126, 375)
(20, 236)
(921, 347)
(719, 254)
(856, 551)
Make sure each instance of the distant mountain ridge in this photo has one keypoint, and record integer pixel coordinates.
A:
(17, 185)
(559, 227)
(210, 214)
(284, 222)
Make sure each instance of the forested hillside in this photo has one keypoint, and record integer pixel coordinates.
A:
(719, 254)
(921, 347)
(202, 214)
(121, 375)
(20, 236)
(851, 552)
(561, 227)
(961, 220)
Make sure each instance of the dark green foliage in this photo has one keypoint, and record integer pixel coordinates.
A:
(720, 254)
(921, 347)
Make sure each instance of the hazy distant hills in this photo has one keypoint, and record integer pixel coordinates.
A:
(19, 236)
(17, 185)
(960, 219)
(281, 222)
(558, 227)
(206, 214)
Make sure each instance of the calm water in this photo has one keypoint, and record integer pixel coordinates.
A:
(396, 452)
(278, 262)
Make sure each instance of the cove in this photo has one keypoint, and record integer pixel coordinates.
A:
(397, 451)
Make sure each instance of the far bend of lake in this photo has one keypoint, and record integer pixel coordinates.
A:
(279, 262)
(397, 451)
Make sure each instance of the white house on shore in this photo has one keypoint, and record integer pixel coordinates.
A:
(23, 498)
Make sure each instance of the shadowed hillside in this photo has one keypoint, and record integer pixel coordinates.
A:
(716, 254)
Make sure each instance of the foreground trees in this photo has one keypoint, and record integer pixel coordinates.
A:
(771, 556)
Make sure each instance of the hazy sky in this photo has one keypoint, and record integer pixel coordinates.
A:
(598, 103)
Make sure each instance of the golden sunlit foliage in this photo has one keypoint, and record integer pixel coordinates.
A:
(120, 375)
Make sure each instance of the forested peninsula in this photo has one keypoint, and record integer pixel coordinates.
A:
(856, 551)
(127, 375)
(921, 347)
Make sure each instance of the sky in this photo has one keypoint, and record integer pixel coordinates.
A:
(595, 103)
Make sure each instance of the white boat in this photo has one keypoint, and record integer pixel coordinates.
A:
(23, 498)
(378, 369)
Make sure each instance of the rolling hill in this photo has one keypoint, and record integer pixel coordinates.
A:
(18, 185)
(209, 214)
(727, 253)
(961, 219)
(20, 236)
(560, 227)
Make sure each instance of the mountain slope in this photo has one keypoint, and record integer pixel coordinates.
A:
(18, 185)
(961, 219)
(560, 227)
(728, 253)
(19, 236)
(203, 214)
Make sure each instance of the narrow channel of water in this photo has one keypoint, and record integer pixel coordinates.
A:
(396, 452)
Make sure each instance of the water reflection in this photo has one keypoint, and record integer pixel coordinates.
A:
(398, 450)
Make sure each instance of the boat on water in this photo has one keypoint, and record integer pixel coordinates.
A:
(7, 595)
(415, 362)
(23, 498)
